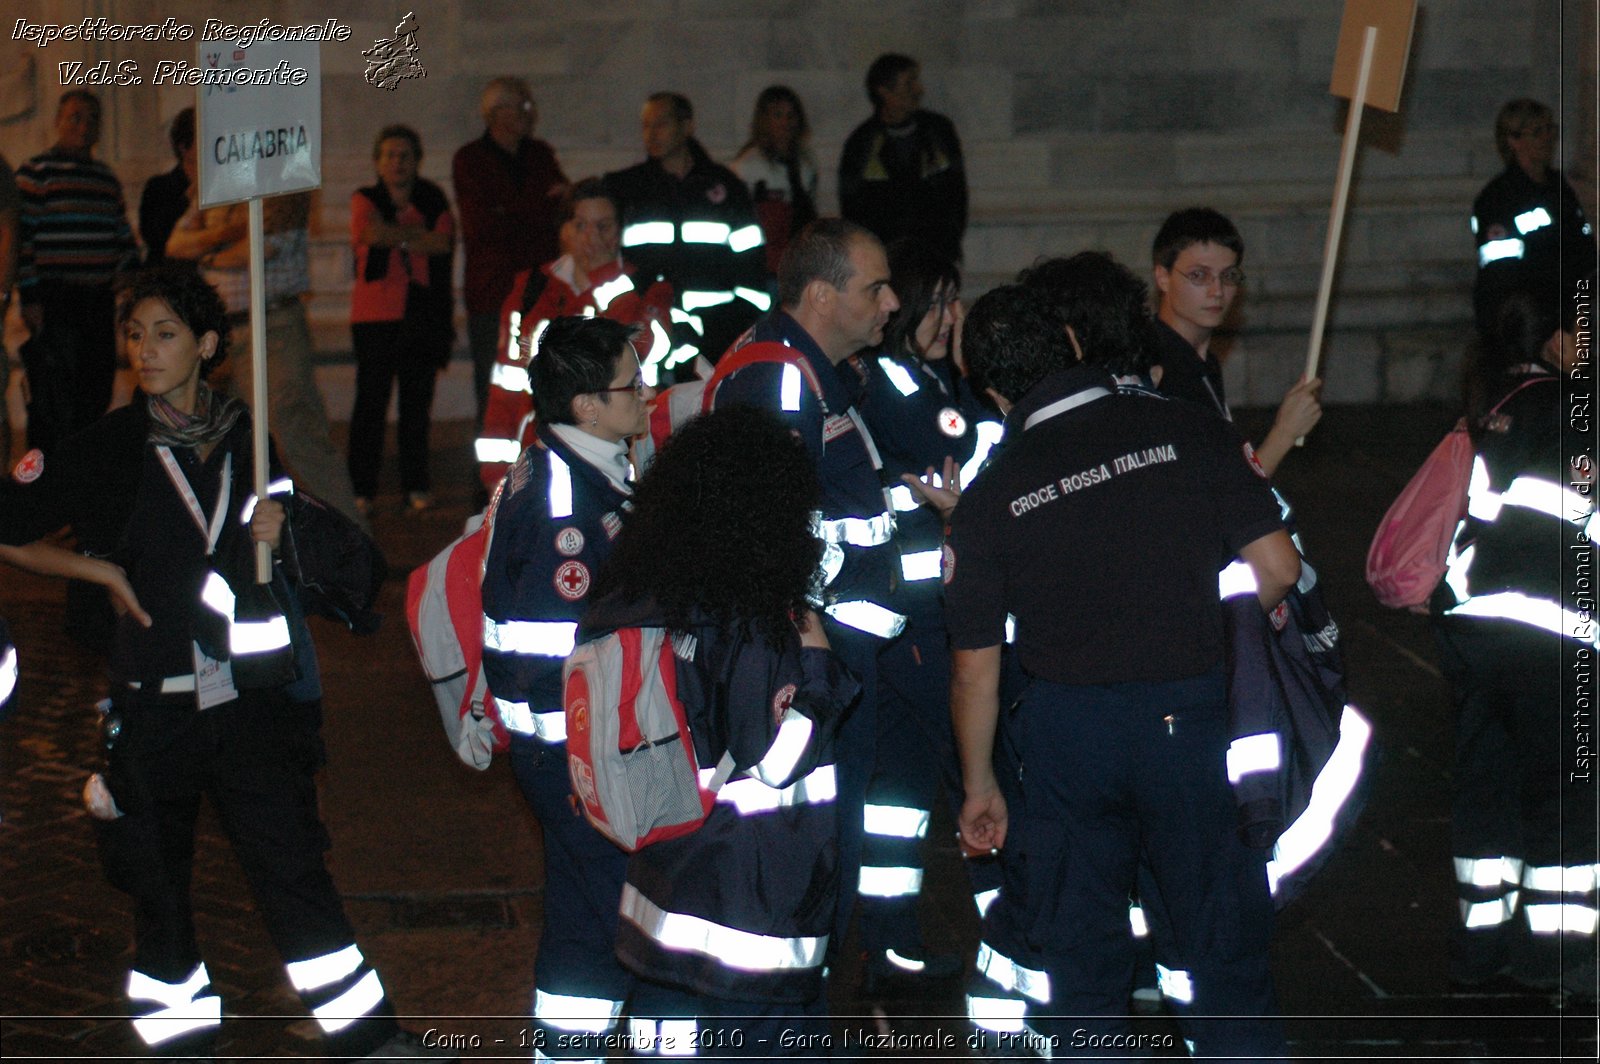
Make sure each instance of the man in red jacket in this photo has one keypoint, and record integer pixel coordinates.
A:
(508, 186)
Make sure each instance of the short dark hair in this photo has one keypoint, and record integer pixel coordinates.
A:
(576, 356)
(1107, 307)
(397, 132)
(819, 252)
(883, 72)
(181, 133)
(682, 109)
(587, 189)
(79, 94)
(1193, 225)
(720, 527)
(915, 273)
(195, 302)
(1013, 339)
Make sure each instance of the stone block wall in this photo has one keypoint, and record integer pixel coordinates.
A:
(1083, 122)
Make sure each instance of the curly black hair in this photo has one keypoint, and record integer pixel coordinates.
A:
(1106, 305)
(192, 299)
(1015, 338)
(721, 526)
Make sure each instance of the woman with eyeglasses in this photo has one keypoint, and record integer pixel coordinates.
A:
(1530, 229)
(558, 510)
(401, 312)
(922, 415)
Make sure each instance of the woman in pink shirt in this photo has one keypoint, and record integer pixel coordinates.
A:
(400, 312)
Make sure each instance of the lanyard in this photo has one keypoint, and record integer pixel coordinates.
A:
(186, 493)
(1061, 406)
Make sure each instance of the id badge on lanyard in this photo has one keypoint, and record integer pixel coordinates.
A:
(213, 679)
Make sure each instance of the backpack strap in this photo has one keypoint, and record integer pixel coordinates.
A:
(761, 351)
(723, 773)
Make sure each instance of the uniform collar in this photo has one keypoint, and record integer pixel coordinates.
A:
(1057, 394)
(837, 391)
(589, 462)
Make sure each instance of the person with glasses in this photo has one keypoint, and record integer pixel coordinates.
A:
(508, 190)
(558, 510)
(1531, 232)
(1196, 258)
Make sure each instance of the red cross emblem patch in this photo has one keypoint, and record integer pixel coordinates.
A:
(572, 580)
(28, 469)
(951, 423)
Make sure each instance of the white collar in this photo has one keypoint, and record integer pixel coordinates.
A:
(611, 459)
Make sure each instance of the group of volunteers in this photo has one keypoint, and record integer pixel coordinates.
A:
(900, 548)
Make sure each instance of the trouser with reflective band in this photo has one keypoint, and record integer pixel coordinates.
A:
(254, 758)
(579, 986)
(666, 1022)
(1131, 771)
(857, 750)
(1522, 831)
(916, 755)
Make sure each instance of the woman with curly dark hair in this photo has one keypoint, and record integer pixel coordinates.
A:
(728, 926)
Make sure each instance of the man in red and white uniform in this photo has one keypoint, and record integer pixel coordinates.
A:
(589, 279)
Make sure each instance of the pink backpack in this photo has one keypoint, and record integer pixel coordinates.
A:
(1412, 545)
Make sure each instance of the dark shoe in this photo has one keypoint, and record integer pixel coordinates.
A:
(408, 1045)
(888, 969)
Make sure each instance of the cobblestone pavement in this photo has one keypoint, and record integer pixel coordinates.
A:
(440, 866)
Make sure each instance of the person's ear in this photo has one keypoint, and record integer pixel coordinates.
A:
(583, 408)
(1076, 347)
(208, 345)
(1163, 278)
(1001, 402)
(819, 294)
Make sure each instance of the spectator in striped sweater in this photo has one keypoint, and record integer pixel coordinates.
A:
(75, 238)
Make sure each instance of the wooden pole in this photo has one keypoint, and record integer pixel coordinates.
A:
(258, 370)
(1341, 194)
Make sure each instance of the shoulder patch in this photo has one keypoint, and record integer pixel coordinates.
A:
(569, 541)
(836, 426)
(717, 193)
(782, 701)
(611, 523)
(1255, 463)
(951, 423)
(572, 580)
(947, 563)
(28, 468)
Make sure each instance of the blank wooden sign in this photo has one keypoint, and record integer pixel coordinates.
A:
(1394, 20)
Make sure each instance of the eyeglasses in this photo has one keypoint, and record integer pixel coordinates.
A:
(636, 387)
(1201, 277)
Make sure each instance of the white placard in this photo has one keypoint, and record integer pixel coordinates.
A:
(260, 119)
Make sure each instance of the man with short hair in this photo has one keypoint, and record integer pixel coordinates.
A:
(1196, 257)
(691, 222)
(1101, 528)
(165, 198)
(835, 298)
(75, 239)
(508, 185)
(901, 173)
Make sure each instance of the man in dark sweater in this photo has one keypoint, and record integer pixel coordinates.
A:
(901, 172)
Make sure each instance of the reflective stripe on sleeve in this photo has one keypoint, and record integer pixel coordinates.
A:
(741, 950)
(8, 673)
(1535, 612)
(1529, 221)
(1331, 789)
(895, 821)
(868, 617)
(903, 498)
(778, 762)
(1508, 248)
(746, 237)
(921, 565)
(789, 387)
(1176, 984)
(989, 434)
(1236, 579)
(755, 297)
(548, 639)
(898, 376)
(496, 449)
(1253, 753)
(856, 531)
(603, 294)
(697, 300)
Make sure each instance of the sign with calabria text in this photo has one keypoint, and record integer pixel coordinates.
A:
(259, 134)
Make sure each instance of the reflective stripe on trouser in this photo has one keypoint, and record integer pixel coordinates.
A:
(339, 987)
(667, 1022)
(164, 1013)
(575, 971)
(1560, 899)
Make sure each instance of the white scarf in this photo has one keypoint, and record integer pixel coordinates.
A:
(611, 459)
